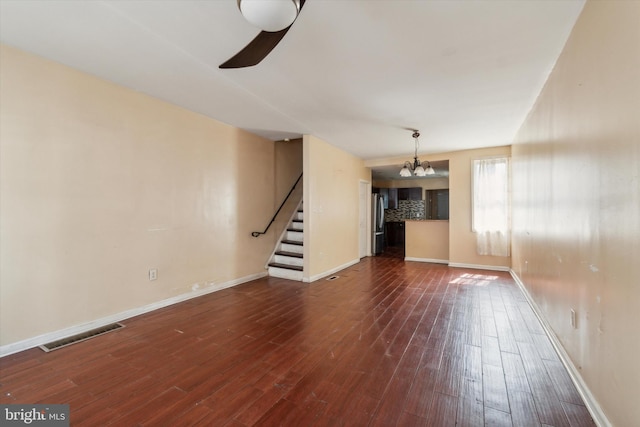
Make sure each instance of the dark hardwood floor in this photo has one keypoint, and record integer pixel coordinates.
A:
(387, 343)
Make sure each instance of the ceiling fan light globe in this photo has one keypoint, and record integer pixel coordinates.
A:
(269, 15)
(405, 172)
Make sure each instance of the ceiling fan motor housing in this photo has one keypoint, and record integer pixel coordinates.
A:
(270, 15)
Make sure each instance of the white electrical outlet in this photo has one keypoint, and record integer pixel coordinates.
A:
(573, 319)
(153, 274)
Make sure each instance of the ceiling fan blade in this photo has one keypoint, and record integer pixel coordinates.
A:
(258, 48)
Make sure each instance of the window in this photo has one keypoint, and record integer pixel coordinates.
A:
(491, 216)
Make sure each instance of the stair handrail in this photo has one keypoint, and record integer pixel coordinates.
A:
(258, 233)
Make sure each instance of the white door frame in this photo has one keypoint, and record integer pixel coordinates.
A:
(364, 224)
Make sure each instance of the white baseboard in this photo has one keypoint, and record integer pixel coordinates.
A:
(479, 266)
(431, 260)
(15, 347)
(590, 401)
(329, 272)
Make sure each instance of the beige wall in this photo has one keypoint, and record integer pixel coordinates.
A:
(576, 204)
(331, 201)
(100, 183)
(288, 167)
(462, 244)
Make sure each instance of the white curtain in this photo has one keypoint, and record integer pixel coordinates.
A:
(491, 216)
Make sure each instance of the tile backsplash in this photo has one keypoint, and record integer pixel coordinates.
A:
(407, 209)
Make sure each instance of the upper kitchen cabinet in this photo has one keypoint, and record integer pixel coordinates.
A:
(389, 197)
(413, 193)
(393, 198)
(437, 202)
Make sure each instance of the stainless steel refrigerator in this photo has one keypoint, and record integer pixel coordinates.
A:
(377, 224)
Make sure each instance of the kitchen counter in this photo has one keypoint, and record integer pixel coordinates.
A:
(426, 220)
(419, 220)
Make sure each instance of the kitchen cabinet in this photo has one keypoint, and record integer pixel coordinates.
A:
(437, 202)
(389, 234)
(394, 233)
(412, 193)
(393, 198)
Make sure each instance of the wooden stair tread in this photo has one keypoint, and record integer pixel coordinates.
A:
(292, 242)
(291, 254)
(285, 266)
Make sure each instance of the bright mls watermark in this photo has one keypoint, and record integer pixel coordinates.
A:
(34, 415)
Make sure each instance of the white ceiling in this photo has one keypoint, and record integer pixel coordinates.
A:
(357, 74)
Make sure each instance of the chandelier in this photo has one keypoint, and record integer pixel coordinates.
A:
(417, 167)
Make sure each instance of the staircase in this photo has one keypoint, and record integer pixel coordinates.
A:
(287, 260)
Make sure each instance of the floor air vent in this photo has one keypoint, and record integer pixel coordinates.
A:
(80, 337)
(333, 278)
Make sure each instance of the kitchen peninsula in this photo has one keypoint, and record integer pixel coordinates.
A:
(427, 240)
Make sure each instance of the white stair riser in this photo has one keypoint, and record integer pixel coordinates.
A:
(283, 273)
(283, 259)
(296, 236)
(297, 226)
(296, 249)
(300, 216)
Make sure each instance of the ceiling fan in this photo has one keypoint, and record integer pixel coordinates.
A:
(274, 18)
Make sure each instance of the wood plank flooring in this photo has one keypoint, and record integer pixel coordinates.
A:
(387, 343)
